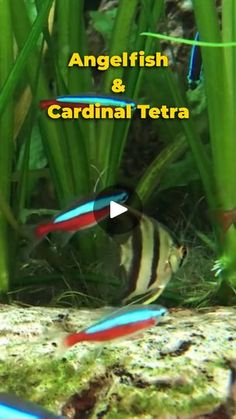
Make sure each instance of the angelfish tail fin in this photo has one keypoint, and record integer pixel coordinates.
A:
(145, 299)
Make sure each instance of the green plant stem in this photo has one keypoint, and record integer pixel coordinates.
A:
(80, 134)
(229, 34)
(221, 109)
(192, 138)
(72, 38)
(17, 70)
(6, 139)
(80, 79)
(53, 133)
(149, 17)
(213, 80)
(185, 41)
(64, 27)
(120, 42)
(7, 214)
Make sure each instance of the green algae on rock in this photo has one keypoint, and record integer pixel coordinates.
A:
(177, 369)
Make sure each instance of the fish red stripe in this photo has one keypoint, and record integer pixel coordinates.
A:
(226, 218)
(109, 334)
(74, 224)
(44, 104)
(43, 230)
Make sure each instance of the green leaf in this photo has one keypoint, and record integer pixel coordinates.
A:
(181, 173)
(19, 66)
(152, 176)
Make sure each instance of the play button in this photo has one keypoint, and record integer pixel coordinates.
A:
(124, 209)
(116, 209)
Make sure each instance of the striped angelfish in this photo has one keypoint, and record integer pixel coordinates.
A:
(149, 257)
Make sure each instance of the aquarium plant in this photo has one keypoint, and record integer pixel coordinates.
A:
(79, 157)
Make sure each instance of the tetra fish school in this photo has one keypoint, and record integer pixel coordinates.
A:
(96, 110)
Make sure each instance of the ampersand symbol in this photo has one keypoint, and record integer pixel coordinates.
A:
(118, 86)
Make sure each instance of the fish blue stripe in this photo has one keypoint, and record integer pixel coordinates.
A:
(90, 206)
(127, 318)
(195, 64)
(103, 100)
(13, 407)
(8, 412)
(192, 58)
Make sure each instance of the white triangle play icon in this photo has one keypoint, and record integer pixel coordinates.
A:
(116, 209)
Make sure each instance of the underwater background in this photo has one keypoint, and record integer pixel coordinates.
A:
(176, 177)
(182, 170)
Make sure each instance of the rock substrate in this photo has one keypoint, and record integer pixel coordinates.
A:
(177, 369)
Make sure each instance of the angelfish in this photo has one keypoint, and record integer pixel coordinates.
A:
(83, 214)
(122, 323)
(149, 256)
(12, 407)
(195, 65)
